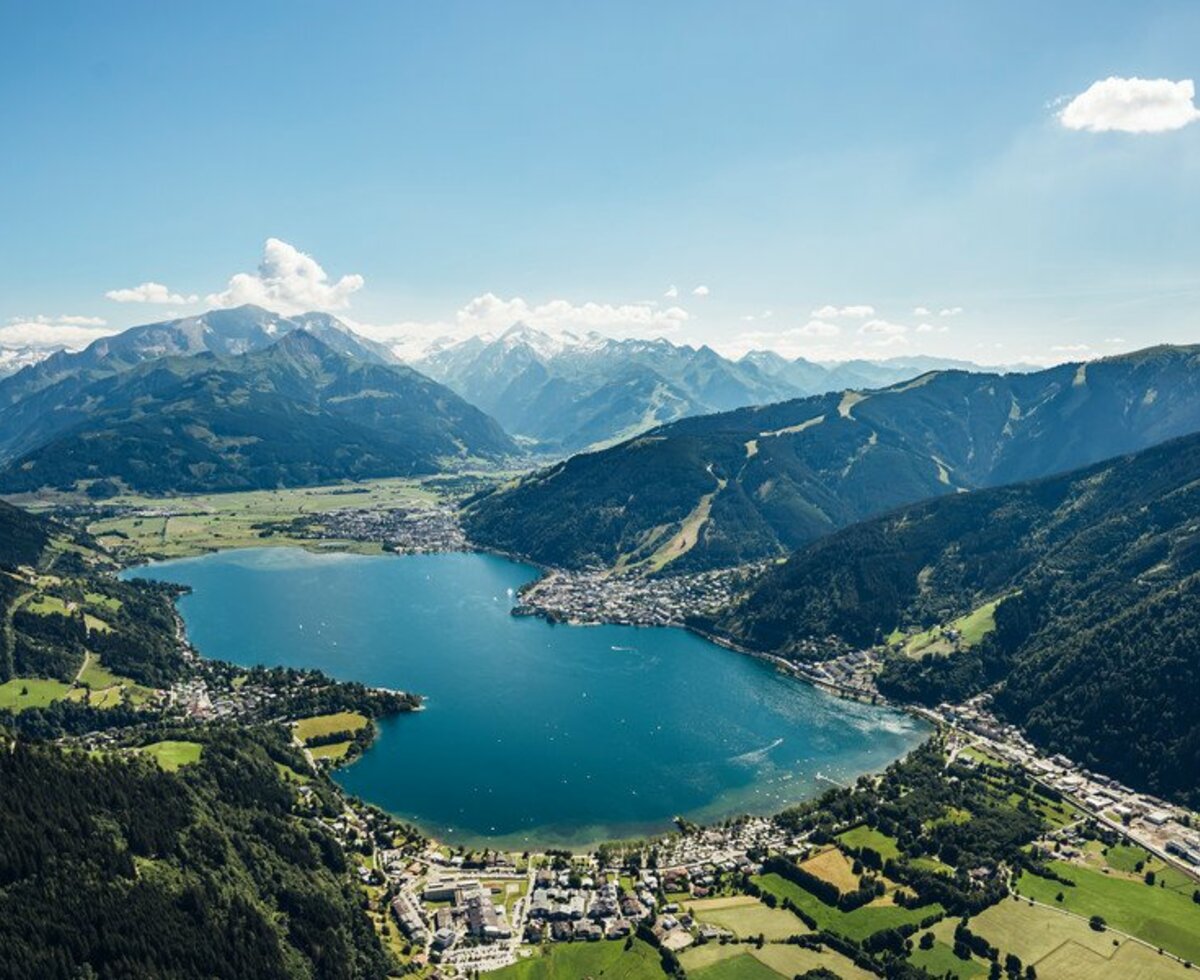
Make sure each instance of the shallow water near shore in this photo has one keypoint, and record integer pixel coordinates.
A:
(533, 734)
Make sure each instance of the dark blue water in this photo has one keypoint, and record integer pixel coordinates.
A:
(532, 733)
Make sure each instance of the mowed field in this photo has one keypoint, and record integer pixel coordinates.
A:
(1058, 945)
(317, 725)
(172, 755)
(1161, 916)
(857, 925)
(746, 916)
(733, 961)
(834, 867)
(573, 961)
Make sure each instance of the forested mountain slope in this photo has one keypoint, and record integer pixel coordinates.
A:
(112, 868)
(1096, 639)
(293, 413)
(762, 481)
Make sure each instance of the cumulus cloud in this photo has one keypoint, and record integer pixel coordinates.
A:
(930, 328)
(288, 281)
(672, 292)
(829, 312)
(700, 291)
(921, 311)
(950, 311)
(150, 292)
(882, 328)
(1132, 105)
(44, 332)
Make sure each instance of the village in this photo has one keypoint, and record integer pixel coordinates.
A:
(631, 598)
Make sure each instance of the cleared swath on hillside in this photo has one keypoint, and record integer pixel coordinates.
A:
(796, 470)
(1096, 635)
(295, 413)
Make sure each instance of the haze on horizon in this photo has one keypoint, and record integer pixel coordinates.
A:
(863, 181)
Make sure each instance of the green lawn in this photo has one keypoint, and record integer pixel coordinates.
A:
(864, 836)
(856, 925)
(972, 628)
(335, 750)
(46, 605)
(342, 721)
(743, 966)
(103, 601)
(746, 916)
(1160, 916)
(173, 755)
(574, 961)
(940, 960)
(31, 692)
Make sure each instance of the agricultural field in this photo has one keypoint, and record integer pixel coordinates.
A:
(833, 866)
(745, 916)
(1161, 916)
(1059, 946)
(572, 961)
(334, 750)
(176, 527)
(970, 629)
(30, 692)
(172, 755)
(864, 836)
(47, 605)
(735, 962)
(856, 925)
(318, 725)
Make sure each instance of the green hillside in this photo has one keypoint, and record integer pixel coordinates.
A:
(295, 413)
(782, 475)
(1093, 643)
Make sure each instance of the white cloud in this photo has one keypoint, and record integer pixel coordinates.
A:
(829, 312)
(1115, 340)
(700, 291)
(815, 328)
(921, 311)
(883, 328)
(1132, 105)
(950, 311)
(1070, 348)
(150, 292)
(48, 332)
(672, 292)
(288, 281)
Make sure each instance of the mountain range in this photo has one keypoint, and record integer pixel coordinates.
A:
(1096, 576)
(234, 399)
(567, 392)
(759, 482)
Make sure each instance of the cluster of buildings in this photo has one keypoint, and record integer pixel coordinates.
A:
(1154, 824)
(631, 598)
(411, 530)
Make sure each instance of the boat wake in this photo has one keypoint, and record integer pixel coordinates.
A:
(756, 755)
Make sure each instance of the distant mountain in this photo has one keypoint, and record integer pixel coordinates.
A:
(569, 392)
(296, 412)
(1098, 627)
(13, 359)
(43, 385)
(757, 482)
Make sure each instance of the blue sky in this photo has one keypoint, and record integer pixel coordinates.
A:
(788, 157)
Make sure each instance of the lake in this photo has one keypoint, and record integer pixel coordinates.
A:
(533, 734)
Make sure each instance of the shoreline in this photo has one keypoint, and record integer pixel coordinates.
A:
(539, 841)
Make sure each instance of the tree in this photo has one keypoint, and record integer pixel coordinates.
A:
(927, 940)
(1097, 922)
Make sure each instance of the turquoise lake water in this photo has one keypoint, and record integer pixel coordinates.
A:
(532, 733)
